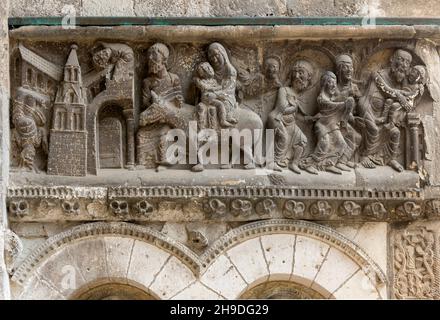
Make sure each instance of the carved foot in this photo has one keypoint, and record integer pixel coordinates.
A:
(226, 124)
(351, 164)
(333, 169)
(160, 168)
(225, 166)
(250, 166)
(276, 167)
(367, 163)
(293, 167)
(311, 170)
(343, 167)
(198, 168)
(130, 167)
(395, 165)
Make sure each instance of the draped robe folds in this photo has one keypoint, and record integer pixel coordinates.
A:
(151, 145)
(287, 133)
(380, 143)
(331, 147)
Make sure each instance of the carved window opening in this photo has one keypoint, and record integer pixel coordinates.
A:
(111, 137)
(29, 76)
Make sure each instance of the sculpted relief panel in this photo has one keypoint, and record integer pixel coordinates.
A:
(330, 108)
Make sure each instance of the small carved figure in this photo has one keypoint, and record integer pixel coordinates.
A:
(29, 132)
(117, 58)
(161, 94)
(225, 76)
(211, 95)
(389, 93)
(283, 118)
(403, 101)
(272, 79)
(331, 152)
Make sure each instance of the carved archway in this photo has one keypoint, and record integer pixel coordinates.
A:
(103, 100)
(297, 253)
(106, 254)
(300, 252)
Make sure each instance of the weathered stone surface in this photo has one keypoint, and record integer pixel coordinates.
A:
(107, 8)
(195, 248)
(379, 8)
(223, 277)
(309, 255)
(145, 263)
(166, 284)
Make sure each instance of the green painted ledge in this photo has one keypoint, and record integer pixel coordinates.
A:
(220, 21)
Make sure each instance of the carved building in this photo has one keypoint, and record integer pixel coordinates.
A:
(122, 184)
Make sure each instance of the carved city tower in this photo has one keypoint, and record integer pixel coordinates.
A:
(68, 139)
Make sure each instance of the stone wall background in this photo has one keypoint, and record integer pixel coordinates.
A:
(233, 8)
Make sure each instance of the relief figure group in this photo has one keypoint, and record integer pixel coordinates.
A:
(354, 122)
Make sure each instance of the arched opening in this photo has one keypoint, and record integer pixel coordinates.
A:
(29, 75)
(112, 291)
(111, 137)
(281, 290)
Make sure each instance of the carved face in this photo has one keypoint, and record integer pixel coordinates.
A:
(101, 59)
(416, 75)
(205, 71)
(345, 70)
(272, 67)
(156, 61)
(300, 78)
(216, 58)
(400, 65)
(330, 85)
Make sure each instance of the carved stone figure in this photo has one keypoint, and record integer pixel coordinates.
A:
(29, 133)
(390, 95)
(282, 118)
(226, 76)
(116, 59)
(161, 95)
(211, 96)
(332, 152)
(223, 79)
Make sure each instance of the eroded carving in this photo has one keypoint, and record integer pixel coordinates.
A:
(294, 209)
(409, 210)
(414, 260)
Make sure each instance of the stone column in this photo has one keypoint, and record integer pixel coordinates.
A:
(4, 139)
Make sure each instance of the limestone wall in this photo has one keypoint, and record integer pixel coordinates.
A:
(230, 8)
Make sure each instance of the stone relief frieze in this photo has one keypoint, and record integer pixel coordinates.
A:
(108, 106)
(101, 112)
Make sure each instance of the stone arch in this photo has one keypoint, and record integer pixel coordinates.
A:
(97, 254)
(301, 252)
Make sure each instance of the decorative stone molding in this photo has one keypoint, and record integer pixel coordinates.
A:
(215, 203)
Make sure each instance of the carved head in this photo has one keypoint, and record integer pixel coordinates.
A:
(400, 64)
(205, 71)
(217, 55)
(301, 76)
(271, 67)
(157, 56)
(344, 67)
(329, 83)
(417, 75)
(101, 59)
